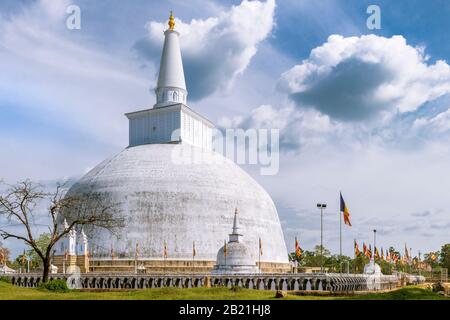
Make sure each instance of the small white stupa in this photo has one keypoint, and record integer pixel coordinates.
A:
(372, 268)
(373, 274)
(235, 257)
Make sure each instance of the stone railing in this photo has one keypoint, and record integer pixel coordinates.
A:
(303, 281)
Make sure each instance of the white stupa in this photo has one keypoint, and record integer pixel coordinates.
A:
(372, 268)
(235, 256)
(164, 201)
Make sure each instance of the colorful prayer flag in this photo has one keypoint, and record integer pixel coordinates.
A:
(345, 212)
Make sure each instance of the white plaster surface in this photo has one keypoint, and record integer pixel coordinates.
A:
(181, 203)
(171, 73)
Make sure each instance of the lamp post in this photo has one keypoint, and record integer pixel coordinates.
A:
(321, 206)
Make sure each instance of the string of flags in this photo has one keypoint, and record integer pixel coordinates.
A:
(391, 256)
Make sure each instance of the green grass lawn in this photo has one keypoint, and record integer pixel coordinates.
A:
(408, 293)
(9, 292)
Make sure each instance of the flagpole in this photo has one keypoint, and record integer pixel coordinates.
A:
(225, 252)
(410, 260)
(419, 265)
(64, 260)
(259, 262)
(165, 256)
(193, 256)
(374, 243)
(135, 258)
(340, 240)
(340, 234)
(259, 259)
(340, 230)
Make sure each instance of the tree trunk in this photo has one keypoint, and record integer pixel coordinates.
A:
(46, 263)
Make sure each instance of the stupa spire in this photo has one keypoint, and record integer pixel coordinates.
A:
(234, 236)
(171, 88)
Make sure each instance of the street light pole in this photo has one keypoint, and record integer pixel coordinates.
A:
(321, 206)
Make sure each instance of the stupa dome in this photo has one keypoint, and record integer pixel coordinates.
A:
(372, 268)
(166, 197)
(237, 254)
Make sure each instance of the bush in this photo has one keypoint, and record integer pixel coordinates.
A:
(54, 285)
(5, 279)
(236, 289)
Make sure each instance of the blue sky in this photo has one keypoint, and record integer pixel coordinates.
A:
(302, 26)
(359, 110)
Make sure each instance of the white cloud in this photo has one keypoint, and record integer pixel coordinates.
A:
(299, 129)
(438, 124)
(358, 78)
(58, 76)
(217, 49)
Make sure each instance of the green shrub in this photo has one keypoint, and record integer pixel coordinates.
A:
(236, 289)
(5, 279)
(54, 285)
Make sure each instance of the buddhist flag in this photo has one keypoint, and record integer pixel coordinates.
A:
(406, 253)
(260, 247)
(225, 248)
(298, 250)
(388, 256)
(395, 257)
(364, 249)
(377, 253)
(382, 254)
(345, 212)
(194, 252)
(356, 249)
(165, 250)
(369, 252)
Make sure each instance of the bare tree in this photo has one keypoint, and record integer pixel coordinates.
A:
(18, 205)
